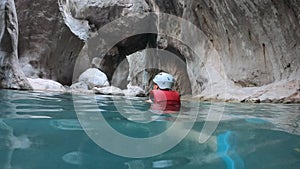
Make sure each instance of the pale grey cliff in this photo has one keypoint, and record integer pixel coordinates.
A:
(47, 47)
(11, 75)
(228, 50)
(258, 41)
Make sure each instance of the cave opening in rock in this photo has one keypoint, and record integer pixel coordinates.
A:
(137, 59)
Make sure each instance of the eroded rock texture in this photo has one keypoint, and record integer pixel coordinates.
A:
(47, 47)
(258, 41)
(242, 45)
(11, 75)
(231, 49)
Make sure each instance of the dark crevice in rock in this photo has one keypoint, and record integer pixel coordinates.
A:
(229, 43)
(264, 53)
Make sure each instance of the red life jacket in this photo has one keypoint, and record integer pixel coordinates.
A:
(165, 100)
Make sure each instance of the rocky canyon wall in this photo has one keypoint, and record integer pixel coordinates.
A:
(258, 41)
(47, 46)
(237, 50)
(11, 76)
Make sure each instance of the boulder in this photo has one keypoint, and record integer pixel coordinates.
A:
(46, 85)
(93, 77)
(79, 86)
(134, 91)
(109, 90)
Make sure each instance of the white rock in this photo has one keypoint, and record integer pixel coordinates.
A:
(109, 90)
(79, 86)
(134, 91)
(280, 90)
(46, 85)
(93, 77)
(29, 71)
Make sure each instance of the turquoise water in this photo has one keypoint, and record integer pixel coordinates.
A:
(42, 131)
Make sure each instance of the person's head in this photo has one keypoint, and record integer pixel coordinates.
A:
(163, 81)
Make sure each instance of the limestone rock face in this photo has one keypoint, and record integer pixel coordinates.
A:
(258, 42)
(236, 49)
(47, 47)
(241, 44)
(11, 75)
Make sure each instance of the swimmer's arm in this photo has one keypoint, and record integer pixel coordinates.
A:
(151, 98)
(149, 101)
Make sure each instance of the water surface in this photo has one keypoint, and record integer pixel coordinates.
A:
(42, 131)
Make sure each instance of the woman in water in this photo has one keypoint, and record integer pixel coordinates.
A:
(162, 96)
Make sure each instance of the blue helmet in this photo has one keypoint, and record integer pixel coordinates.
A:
(164, 80)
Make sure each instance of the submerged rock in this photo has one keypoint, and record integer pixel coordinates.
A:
(46, 85)
(75, 157)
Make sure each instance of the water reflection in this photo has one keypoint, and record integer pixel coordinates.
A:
(9, 143)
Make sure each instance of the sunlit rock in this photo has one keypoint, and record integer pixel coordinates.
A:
(134, 91)
(282, 92)
(93, 77)
(79, 86)
(46, 85)
(109, 90)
